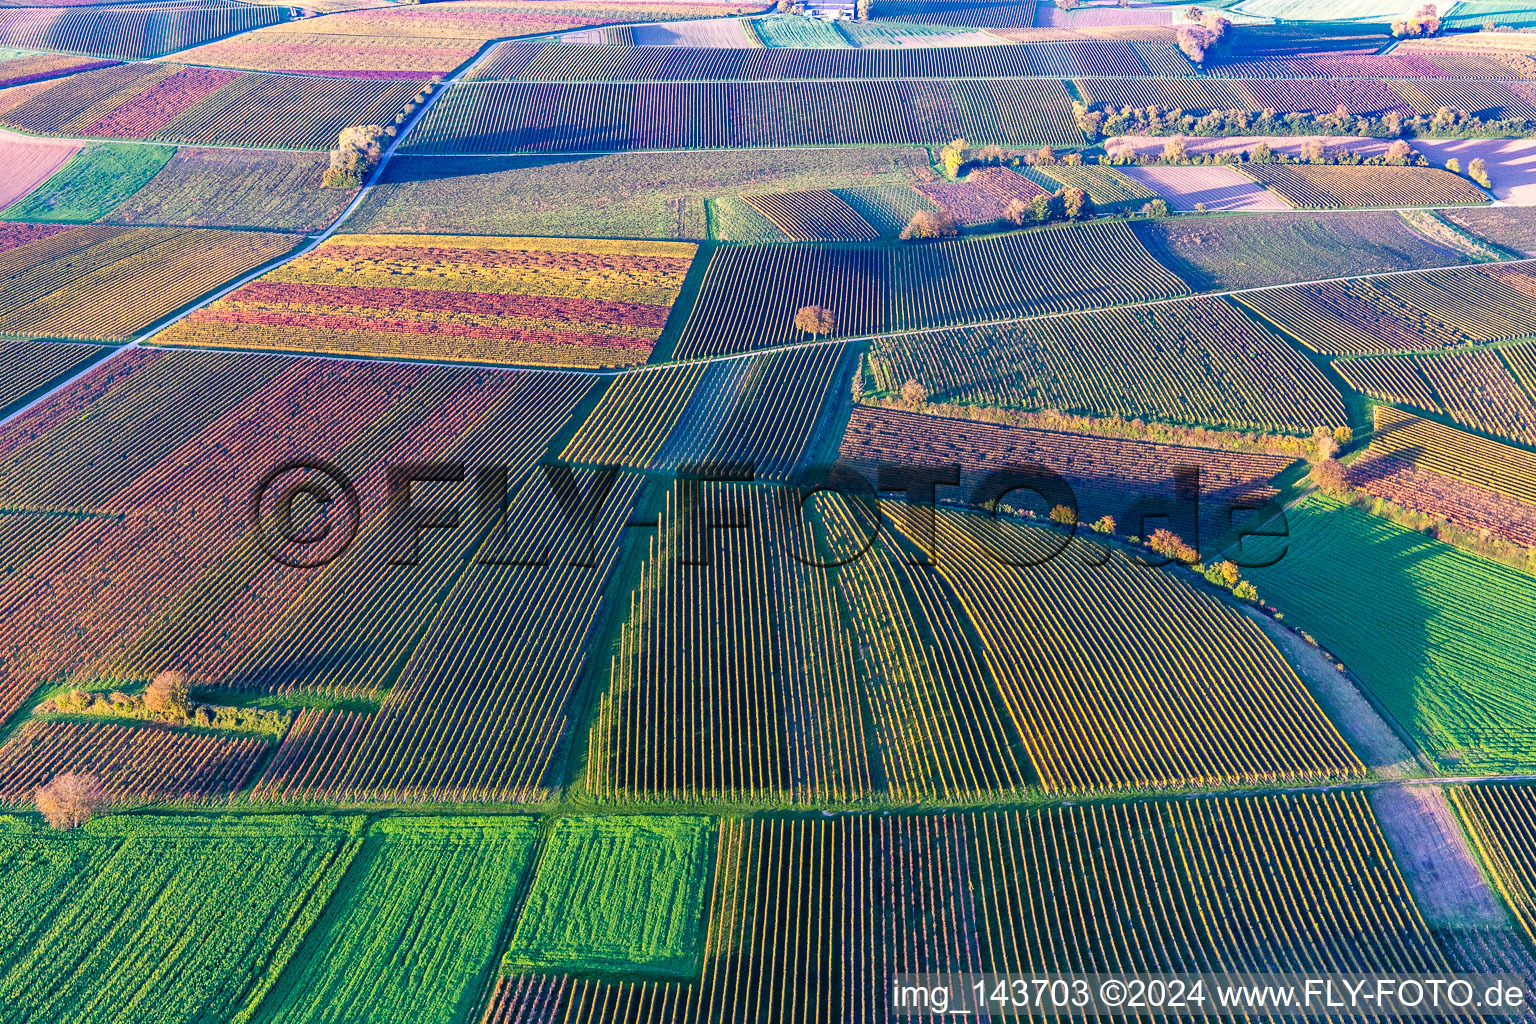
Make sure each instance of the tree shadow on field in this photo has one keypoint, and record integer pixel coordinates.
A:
(408, 168)
(1360, 586)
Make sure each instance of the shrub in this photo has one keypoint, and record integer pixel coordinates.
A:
(1329, 475)
(1174, 151)
(168, 693)
(1453, 165)
(930, 224)
(953, 156)
(1477, 170)
(70, 800)
(1104, 524)
(1245, 591)
(1166, 542)
(1063, 515)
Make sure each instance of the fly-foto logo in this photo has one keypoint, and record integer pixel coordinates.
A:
(306, 512)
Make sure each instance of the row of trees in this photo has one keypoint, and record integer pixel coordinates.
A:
(1312, 151)
(1446, 122)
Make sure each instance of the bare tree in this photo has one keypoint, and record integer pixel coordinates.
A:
(70, 800)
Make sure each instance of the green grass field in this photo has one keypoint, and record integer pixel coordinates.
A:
(413, 929)
(95, 182)
(632, 195)
(165, 920)
(617, 895)
(1441, 637)
(1253, 250)
(731, 220)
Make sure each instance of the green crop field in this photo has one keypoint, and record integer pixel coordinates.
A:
(160, 919)
(94, 182)
(413, 927)
(617, 895)
(1439, 636)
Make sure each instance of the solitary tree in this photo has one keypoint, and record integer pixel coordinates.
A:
(815, 320)
(1399, 153)
(863, 10)
(70, 800)
(168, 693)
(1477, 170)
(913, 393)
(355, 156)
(1174, 151)
(953, 156)
(1076, 204)
(1453, 165)
(1329, 475)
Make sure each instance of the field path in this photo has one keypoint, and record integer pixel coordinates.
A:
(1436, 858)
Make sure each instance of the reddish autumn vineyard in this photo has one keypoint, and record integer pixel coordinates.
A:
(144, 115)
(537, 62)
(1500, 468)
(983, 197)
(134, 762)
(500, 300)
(1106, 474)
(207, 106)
